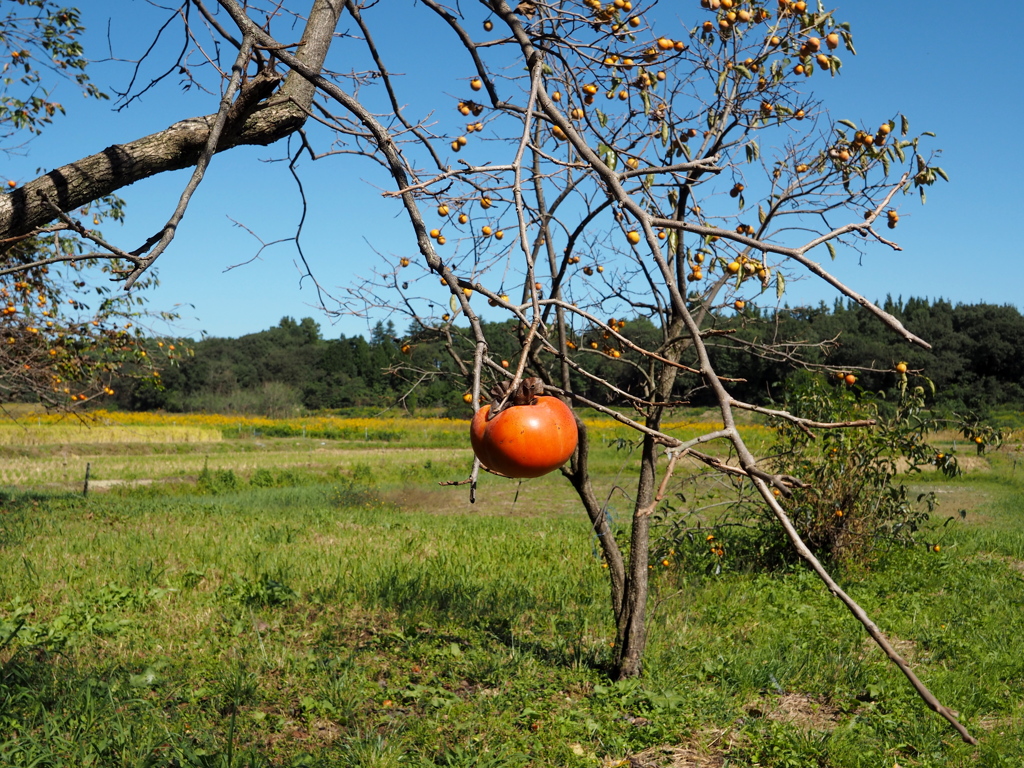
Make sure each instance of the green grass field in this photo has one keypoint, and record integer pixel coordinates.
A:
(305, 602)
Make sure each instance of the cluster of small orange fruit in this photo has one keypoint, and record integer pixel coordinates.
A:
(730, 13)
(748, 267)
(467, 108)
(861, 143)
(716, 548)
(486, 231)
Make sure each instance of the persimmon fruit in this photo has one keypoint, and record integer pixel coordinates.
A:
(525, 440)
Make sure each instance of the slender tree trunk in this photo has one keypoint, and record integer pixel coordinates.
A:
(631, 636)
(631, 621)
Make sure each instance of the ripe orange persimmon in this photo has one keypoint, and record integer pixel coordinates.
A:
(850, 379)
(525, 440)
(901, 367)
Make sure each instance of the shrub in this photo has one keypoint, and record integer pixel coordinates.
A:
(216, 480)
(855, 502)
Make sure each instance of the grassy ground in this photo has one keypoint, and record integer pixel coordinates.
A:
(301, 602)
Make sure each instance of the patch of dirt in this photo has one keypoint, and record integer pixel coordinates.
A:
(106, 485)
(999, 724)
(966, 463)
(812, 713)
(905, 648)
(527, 499)
(1011, 563)
(670, 757)
(319, 732)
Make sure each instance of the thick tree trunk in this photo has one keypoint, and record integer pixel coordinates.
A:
(179, 145)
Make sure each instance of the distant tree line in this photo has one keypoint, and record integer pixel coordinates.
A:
(976, 361)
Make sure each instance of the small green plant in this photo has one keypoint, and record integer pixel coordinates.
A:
(217, 480)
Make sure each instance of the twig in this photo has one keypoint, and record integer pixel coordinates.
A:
(166, 235)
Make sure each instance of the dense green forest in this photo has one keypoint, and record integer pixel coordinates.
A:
(976, 363)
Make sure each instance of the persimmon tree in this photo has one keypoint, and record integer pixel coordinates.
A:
(64, 336)
(595, 162)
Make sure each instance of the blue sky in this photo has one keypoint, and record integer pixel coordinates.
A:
(913, 58)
